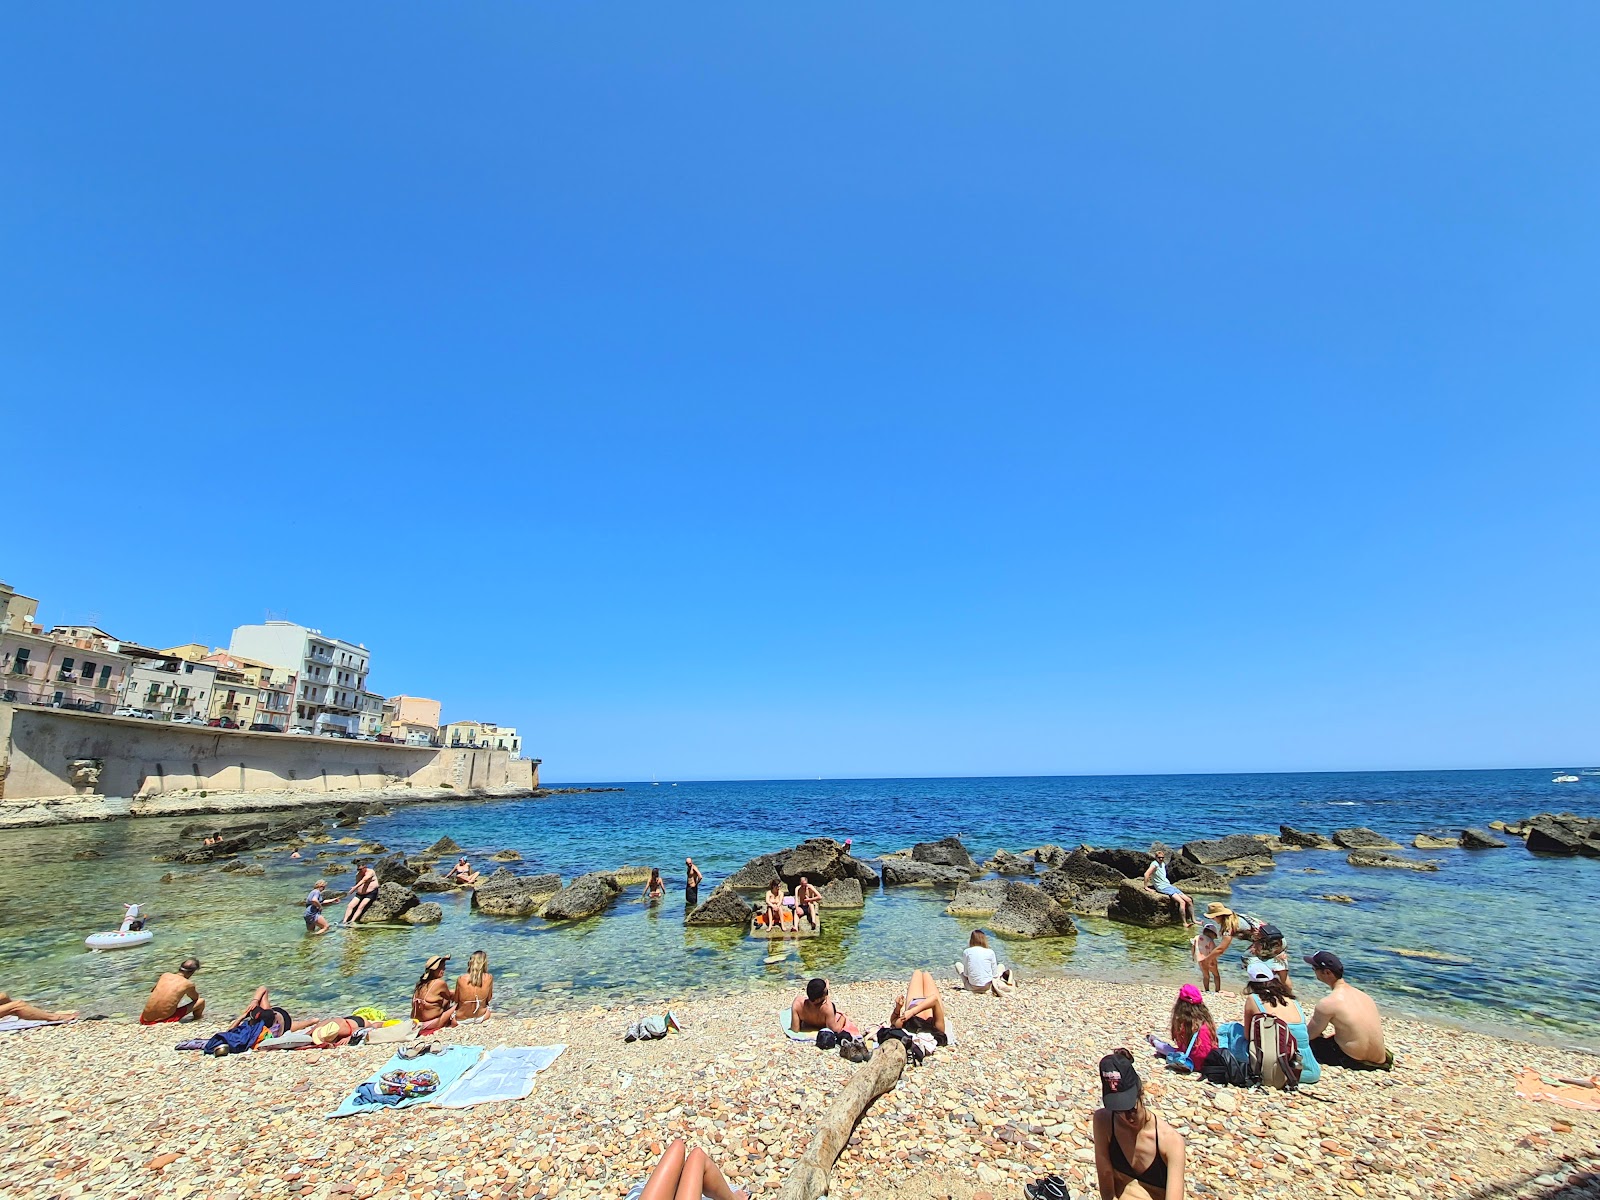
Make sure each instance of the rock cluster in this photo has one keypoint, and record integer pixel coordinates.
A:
(504, 894)
(585, 896)
(1564, 833)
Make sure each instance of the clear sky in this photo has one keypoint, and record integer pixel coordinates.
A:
(720, 391)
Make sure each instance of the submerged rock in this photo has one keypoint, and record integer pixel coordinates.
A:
(1359, 837)
(628, 876)
(423, 914)
(1427, 841)
(1136, 904)
(1477, 839)
(723, 907)
(1376, 858)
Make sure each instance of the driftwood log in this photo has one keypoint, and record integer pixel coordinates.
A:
(809, 1179)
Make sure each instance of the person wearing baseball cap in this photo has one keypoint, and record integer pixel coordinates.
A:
(1268, 994)
(1131, 1143)
(1356, 1038)
(432, 1002)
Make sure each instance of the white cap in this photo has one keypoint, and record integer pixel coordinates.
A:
(1260, 972)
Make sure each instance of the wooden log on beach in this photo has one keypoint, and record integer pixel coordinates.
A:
(809, 1179)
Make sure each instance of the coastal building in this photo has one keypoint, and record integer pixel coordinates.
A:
(411, 718)
(234, 697)
(72, 667)
(164, 685)
(369, 707)
(271, 703)
(482, 735)
(331, 673)
(16, 610)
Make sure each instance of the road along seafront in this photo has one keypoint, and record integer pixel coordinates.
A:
(1010, 1099)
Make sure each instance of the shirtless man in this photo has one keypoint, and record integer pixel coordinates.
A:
(816, 1010)
(806, 899)
(691, 883)
(1357, 1038)
(23, 1011)
(174, 997)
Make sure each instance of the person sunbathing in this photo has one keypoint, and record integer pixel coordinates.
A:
(23, 1011)
(432, 1001)
(773, 913)
(175, 997)
(275, 1019)
(920, 1009)
(683, 1174)
(475, 989)
(463, 873)
(816, 1010)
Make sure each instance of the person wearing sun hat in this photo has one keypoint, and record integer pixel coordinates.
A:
(432, 1001)
(1132, 1145)
(1356, 1040)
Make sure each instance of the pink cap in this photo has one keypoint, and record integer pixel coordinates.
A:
(1190, 993)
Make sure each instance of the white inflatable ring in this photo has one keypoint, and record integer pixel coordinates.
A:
(117, 940)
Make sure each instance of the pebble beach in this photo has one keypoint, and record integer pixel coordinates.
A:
(110, 1109)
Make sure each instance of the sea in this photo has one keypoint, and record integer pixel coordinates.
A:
(1501, 940)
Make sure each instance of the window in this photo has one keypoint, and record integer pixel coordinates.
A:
(65, 672)
(153, 694)
(183, 697)
(105, 675)
(188, 668)
(19, 665)
(88, 670)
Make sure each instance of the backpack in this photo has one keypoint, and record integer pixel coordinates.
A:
(1224, 1067)
(1274, 1055)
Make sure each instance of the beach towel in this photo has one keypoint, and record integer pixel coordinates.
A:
(449, 1065)
(286, 1041)
(505, 1073)
(1531, 1086)
(783, 1023)
(12, 1024)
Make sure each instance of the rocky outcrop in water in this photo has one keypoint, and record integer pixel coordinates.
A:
(583, 897)
(1376, 858)
(1208, 852)
(1128, 864)
(1199, 881)
(907, 872)
(445, 845)
(1006, 863)
(392, 901)
(432, 881)
(1029, 912)
(505, 856)
(1564, 834)
(1479, 839)
(821, 860)
(393, 868)
(1430, 841)
(1291, 836)
(504, 894)
(1136, 904)
(1359, 837)
(423, 914)
(842, 893)
(946, 852)
(1048, 855)
(1088, 872)
(977, 898)
(723, 907)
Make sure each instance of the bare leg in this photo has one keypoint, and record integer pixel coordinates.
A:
(24, 1011)
(197, 1010)
(702, 1178)
(663, 1181)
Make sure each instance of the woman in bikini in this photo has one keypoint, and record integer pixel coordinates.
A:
(656, 888)
(1137, 1155)
(475, 989)
(773, 912)
(920, 1009)
(361, 894)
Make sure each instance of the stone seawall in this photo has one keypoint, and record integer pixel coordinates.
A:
(55, 761)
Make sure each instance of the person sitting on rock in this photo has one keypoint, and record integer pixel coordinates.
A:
(175, 997)
(679, 1174)
(1356, 1041)
(816, 1010)
(980, 970)
(806, 899)
(362, 893)
(1155, 878)
(432, 1001)
(463, 873)
(1193, 1031)
(1136, 1153)
(920, 1009)
(23, 1011)
(772, 913)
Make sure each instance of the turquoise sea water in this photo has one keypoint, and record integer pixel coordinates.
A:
(1517, 931)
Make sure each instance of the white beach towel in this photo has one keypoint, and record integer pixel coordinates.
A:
(505, 1073)
(12, 1024)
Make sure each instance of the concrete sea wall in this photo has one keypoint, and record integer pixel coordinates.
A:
(57, 765)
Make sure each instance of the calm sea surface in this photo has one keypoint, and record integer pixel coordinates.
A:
(1511, 939)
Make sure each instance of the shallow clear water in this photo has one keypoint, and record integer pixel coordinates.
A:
(1519, 926)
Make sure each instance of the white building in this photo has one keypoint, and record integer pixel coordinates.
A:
(167, 686)
(332, 673)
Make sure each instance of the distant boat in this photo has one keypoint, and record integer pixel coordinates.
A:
(1565, 779)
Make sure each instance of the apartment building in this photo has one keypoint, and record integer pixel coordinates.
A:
(411, 717)
(75, 666)
(331, 673)
(166, 685)
(481, 735)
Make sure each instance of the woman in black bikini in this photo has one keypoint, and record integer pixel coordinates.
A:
(1137, 1155)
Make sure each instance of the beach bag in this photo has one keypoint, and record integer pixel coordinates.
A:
(647, 1030)
(1224, 1067)
(913, 1051)
(1182, 1059)
(406, 1084)
(1274, 1055)
(827, 1039)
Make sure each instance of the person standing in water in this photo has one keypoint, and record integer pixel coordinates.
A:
(655, 889)
(691, 884)
(315, 921)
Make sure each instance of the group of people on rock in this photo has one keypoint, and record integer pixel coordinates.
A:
(781, 911)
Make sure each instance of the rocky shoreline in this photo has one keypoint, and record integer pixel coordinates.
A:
(1008, 1101)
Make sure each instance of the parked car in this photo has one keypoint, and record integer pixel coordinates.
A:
(182, 719)
(223, 723)
(384, 737)
(264, 727)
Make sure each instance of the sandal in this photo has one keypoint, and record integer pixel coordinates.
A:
(1051, 1187)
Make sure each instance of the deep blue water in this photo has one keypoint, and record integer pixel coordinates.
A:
(1511, 933)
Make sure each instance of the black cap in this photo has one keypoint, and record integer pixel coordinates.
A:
(1326, 960)
(1119, 1083)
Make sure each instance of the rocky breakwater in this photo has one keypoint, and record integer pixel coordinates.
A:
(1014, 908)
(843, 880)
(1565, 834)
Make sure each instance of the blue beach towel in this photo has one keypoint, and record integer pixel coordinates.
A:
(783, 1024)
(449, 1065)
(505, 1073)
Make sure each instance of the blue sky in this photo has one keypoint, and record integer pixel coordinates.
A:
(737, 391)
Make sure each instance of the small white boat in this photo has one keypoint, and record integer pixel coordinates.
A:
(1565, 779)
(132, 932)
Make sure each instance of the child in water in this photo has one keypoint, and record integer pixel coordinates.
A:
(1207, 947)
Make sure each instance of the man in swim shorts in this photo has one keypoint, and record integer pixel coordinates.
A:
(1356, 1041)
(691, 884)
(806, 899)
(174, 997)
(1155, 878)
